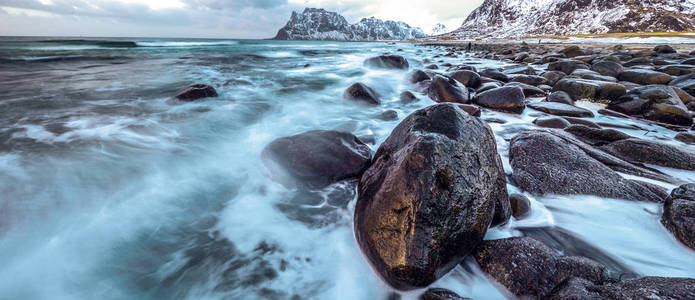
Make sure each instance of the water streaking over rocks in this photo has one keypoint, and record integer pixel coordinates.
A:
(112, 189)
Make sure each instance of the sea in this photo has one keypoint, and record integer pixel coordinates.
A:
(110, 190)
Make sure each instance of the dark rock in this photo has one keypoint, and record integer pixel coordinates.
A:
(519, 69)
(494, 74)
(686, 137)
(661, 49)
(361, 92)
(441, 294)
(679, 214)
(443, 89)
(560, 97)
(551, 122)
(638, 61)
(654, 102)
(561, 109)
(432, 67)
(520, 205)
(508, 98)
(580, 89)
(470, 109)
(592, 75)
(389, 115)
(528, 90)
(487, 86)
(607, 68)
(640, 288)
(644, 77)
(195, 92)
(580, 121)
(553, 76)
(467, 78)
(683, 95)
(418, 76)
(461, 68)
(651, 152)
(596, 136)
(685, 82)
(316, 158)
(407, 97)
(434, 187)
(552, 162)
(612, 113)
(567, 66)
(531, 270)
(572, 51)
(388, 62)
(677, 70)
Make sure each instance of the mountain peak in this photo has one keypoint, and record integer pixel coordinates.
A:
(320, 24)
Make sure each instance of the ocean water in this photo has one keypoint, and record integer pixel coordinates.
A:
(110, 191)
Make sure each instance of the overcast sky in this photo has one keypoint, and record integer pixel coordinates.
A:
(206, 18)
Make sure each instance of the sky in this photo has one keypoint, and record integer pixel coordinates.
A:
(246, 19)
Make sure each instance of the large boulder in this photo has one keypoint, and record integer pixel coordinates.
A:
(362, 93)
(507, 98)
(418, 76)
(644, 77)
(560, 97)
(434, 187)
(652, 152)
(195, 92)
(572, 51)
(580, 89)
(444, 89)
(654, 102)
(679, 214)
(494, 74)
(315, 159)
(388, 62)
(467, 78)
(531, 270)
(639, 288)
(685, 82)
(607, 68)
(663, 49)
(552, 162)
(561, 109)
(551, 122)
(567, 66)
(553, 76)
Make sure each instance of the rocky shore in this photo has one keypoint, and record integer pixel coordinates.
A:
(428, 195)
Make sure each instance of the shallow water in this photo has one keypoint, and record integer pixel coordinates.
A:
(109, 191)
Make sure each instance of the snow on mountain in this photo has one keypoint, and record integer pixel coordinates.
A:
(513, 18)
(319, 24)
(439, 29)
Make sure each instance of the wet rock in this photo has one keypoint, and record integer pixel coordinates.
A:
(388, 62)
(434, 187)
(561, 109)
(441, 294)
(662, 49)
(644, 77)
(551, 122)
(685, 137)
(418, 76)
(572, 51)
(683, 95)
(407, 97)
(507, 98)
(494, 74)
(596, 136)
(467, 78)
(362, 93)
(580, 121)
(389, 115)
(560, 97)
(195, 92)
(487, 86)
(591, 75)
(580, 89)
(567, 66)
(651, 152)
(443, 89)
(607, 68)
(679, 214)
(470, 109)
(685, 82)
(553, 76)
(528, 90)
(520, 205)
(654, 102)
(432, 67)
(316, 158)
(640, 288)
(462, 67)
(552, 162)
(677, 70)
(531, 270)
(519, 69)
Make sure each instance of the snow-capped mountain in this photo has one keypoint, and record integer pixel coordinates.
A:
(513, 18)
(439, 29)
(319, 24)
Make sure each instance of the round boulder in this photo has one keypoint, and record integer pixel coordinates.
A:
(388, 62)
(195, 92)
(361, 92)
(507, 98)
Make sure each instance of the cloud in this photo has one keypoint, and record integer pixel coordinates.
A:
(206, 18)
